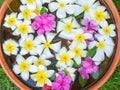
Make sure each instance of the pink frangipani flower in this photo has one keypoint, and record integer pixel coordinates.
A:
(62, 82)
(90, 26)
(44, 23)
(89, 67)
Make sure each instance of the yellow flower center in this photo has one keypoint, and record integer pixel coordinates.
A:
(37, 11)
(107, 30)
(47, 45)
(65, 57)
(86, 8)
(23, 28)
(78, 52)
(10, 47)
(29, 45)
(62, 5)
(100, 15)
(31, 1)
(41, 77)
(80, 37)
(101, 45)
(11, 21)
(26, 13)
(68, 27)
(39, 62)
(24, 66)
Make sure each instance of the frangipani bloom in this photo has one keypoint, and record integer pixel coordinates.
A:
(28, 45)
(47, 45)
(23, 29)
(10, 47)
(62, 7)
(26, 13)
(100, 15)
(32, 4)
(67, 27)
(10, 21)
(108, 30)
(105, 45)
(41, 61)
(87, 6)
(64, 58)
(80, 37)
(89, 67)
(90, 25)
(62, 82)
(78, 51)
(24, 66)
(44, 23)
(42, 76)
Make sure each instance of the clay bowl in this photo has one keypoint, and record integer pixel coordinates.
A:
(109, 69)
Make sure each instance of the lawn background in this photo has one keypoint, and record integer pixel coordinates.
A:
(112, 84)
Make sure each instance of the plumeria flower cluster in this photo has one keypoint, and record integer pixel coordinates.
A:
(53, 40)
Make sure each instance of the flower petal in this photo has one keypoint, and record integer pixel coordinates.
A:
(16, 69)
(61, 13)
(53, 6)
(56, 47)
(25, 75)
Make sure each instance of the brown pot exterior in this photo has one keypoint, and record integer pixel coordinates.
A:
(98, 84)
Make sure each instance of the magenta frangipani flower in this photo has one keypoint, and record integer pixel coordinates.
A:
(44, 23)
(62, 82)
(90, 26)
(89, 67)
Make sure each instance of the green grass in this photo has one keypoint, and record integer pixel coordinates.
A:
(112, 84)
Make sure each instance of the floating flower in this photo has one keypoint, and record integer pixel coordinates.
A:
(62, 7)
(32, 4)
(10, 47)
(89, 67)
(24, 67)
(87, 6)
(62, 82)
(10, 21)
(47, 44)
(26, 13)
(80, 37)
(78, 51)
(100, 15)
(105, 45)
(107, 30)
(41, 61)
(42, 76)
(44, 23)
(90, 25)
(67, 27)
(28, 45)
(23, 29)
(64, 58)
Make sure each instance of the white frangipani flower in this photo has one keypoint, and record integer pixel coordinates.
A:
(105, 45)
(10, 47)
(32, 4)
(79, 51)
(23, 29)
(26, 13)
(28, 45)
(42, 76)
(64, 58)
(87, 6)
(67, 27)
(41, 61)
(24, 66)
(10, 21)
(100, 14)
(62, 7)
(81, 37)
(47, 44)
(107, 30)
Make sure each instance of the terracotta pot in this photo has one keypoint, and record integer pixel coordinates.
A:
(99, 83)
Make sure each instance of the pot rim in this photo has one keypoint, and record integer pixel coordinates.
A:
(98, 84)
